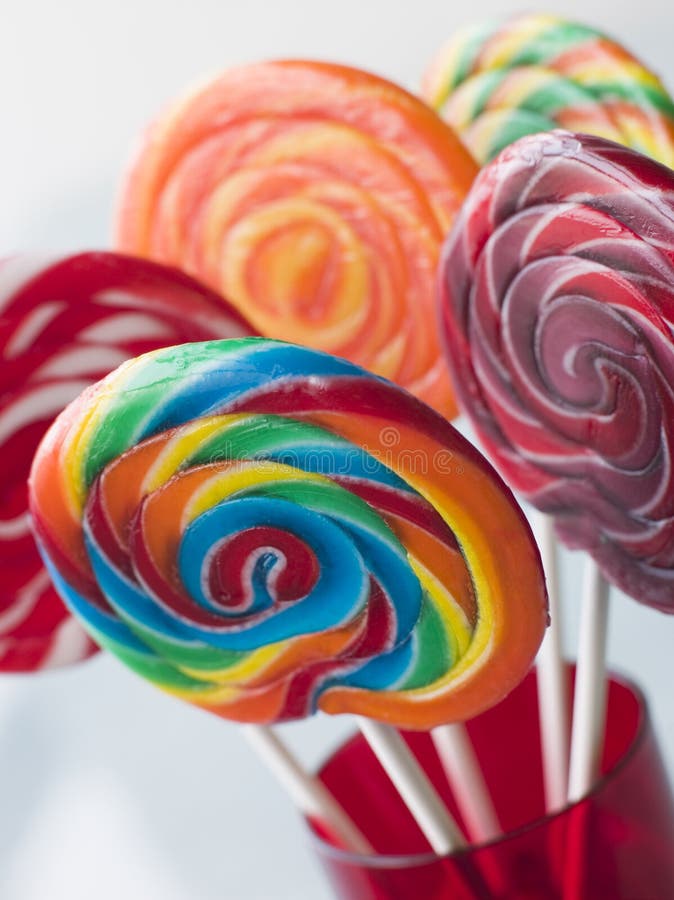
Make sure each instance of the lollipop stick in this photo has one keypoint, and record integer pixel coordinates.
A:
(414, 786)
(309, 793)
(589, 714)
(423, 802)
(553, 702)
(465, 776)
(589, 707)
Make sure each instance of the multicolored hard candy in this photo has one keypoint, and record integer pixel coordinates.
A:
(266, 530)
(495, 82)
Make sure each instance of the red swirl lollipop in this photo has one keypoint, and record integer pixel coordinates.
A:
(64, 324)
(558, 309)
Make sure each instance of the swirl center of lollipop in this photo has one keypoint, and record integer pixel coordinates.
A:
(262, 559)
(294, 268)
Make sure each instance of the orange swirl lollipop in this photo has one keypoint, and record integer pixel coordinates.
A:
(316, 197)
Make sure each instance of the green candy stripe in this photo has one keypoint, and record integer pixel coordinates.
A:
(142, 386)
(434, 655)
(149, 666)
(556, 94)
(515, 124)
(639, 94)
(261, 434)
(473, 44)
(548, 45)
(196, 655)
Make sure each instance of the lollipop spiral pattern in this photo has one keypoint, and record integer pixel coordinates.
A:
(558, 307)
(316, 198)
(64, 324)
(498, 81)
(265, 530)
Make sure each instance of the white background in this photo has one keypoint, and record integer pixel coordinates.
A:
(107, 787)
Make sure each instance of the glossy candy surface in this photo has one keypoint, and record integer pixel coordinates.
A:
(65, 323)
(265, 530)
(495, 82)
(314, 196)
(558, 308)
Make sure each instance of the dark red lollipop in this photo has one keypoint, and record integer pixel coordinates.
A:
(65, 323)
(557, 288)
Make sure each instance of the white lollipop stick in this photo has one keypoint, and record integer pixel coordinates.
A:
(308, 792)
(589, 706)
(414, 786)
(551, 681)
(465, 776)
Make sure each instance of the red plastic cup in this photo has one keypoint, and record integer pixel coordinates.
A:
(616, 844)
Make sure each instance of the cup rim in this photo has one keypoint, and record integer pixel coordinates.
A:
(413, 860)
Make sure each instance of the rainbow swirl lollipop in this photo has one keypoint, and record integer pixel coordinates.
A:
(65, 323)
(558, 305)
(498, 81)
(316, 197)
(265, 530)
